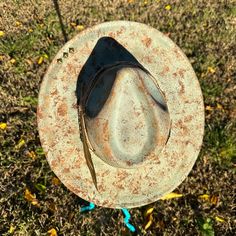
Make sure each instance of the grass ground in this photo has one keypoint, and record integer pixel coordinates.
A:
(30, 35)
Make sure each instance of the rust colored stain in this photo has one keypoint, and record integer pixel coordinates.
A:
(112, 34)
(108, 152)
(135, 190)
(54, 92)
(66, 170)
(183, 127)
(182, 90)
(147, 41)
(71, 68)
(188, 118)
(120, 31)
(165, 70)
(177, 53)
(122, 175)
(181, 72)
(105, 131)
(147, 59)
(62, 109)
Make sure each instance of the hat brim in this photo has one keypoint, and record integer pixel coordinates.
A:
(58, 118)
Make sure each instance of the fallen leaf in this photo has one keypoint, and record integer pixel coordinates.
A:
(149, 211)
(171, 195)
(31, 197)
(13, 61)
(20, 143)
(73, 24)
(149, 217)
(209, 108)
(45, 56)
(219, 219)
(1, 33)
(29, 61)
(214, 199)
(219, 106)
(55, 181)
(3, 125)
(30, 30)
(204, 196)
(149, 222)
(40, 60)
(168, 7)
(79, 27)
(52, 232)
(211, 69)
(11, 229)
(31, 154)
(18, 23)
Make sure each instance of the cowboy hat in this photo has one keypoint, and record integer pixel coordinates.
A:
(121, 115)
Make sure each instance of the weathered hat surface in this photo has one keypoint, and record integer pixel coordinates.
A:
(142, 115)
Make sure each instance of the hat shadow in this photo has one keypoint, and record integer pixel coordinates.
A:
(106, 52)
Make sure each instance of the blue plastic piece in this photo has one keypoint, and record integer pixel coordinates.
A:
(90, 207)
(126, 220)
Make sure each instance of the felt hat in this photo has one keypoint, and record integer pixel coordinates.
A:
(120, 115)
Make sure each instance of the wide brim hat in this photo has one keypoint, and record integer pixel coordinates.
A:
(143, 114)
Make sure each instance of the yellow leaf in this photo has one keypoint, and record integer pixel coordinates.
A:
(29, 61)
(55, 181)
(3, 125)
(20, 143)
(18, 23)
(171, 195)
(13, 61)
(1, 33)
(11, 229)
(73, 24)
(204, 196)
(219, 106)
(209, 108)
(52, 232)
(79, 27)
(1, 58)
(214, 200)
(45, 56)
(31, 197)
(211, 69)
(130, 1)
(219, 219)
(149, 223)
(168, 7)
(30, 30)
(40, 60)
(149, 211)
(32, 155)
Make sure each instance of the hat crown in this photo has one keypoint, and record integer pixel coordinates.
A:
(132, 120)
